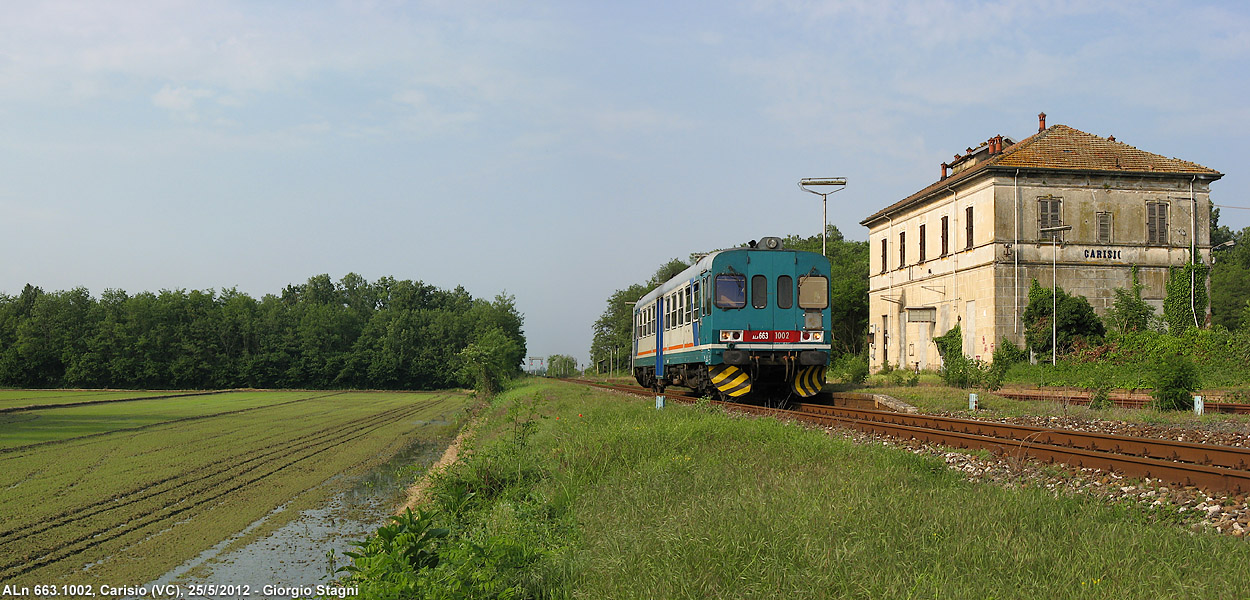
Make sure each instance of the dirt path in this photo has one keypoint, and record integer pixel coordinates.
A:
(417, 492)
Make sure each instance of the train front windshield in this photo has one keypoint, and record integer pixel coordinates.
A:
(731, 291)
(813, 292)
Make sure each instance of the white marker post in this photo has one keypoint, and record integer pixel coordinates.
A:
(1198, 405)
(972, 401)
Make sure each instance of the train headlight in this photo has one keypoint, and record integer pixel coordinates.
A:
(813, 336)
(731, 335)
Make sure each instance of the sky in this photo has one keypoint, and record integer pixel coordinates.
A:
(552, 151)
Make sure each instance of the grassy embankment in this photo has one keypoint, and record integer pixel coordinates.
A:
(571, 492)
(135, 488)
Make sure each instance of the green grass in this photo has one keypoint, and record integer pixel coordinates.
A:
(161, 480)
(614, 499)
(23, 398)
(35, 426)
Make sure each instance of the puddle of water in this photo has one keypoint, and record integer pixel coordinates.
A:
(296, 554)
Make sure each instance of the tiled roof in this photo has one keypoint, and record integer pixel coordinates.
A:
(1063, 148)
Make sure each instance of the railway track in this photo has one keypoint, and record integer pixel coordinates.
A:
(1121, 398)
(1207, 466)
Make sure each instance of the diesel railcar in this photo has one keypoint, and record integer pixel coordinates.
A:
(739, 323)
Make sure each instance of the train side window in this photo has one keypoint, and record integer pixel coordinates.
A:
(813, 292)
(731, 291)
(707, 296)
(759, 291)
(687, 303)
(696, 300)
(785, 292)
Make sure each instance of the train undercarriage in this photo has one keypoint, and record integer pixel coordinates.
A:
(771, 379)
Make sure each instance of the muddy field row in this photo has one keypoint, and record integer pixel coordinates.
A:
(131, 503)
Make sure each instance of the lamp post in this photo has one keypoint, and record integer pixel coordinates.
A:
(840, 183)
(1054, 290)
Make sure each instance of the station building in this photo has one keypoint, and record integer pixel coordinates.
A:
(965, 249)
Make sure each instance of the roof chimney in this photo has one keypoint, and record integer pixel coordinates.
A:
(1111, 139)
(1041, 122)
(944, 167)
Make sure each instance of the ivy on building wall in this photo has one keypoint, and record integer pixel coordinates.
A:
(1186, 303)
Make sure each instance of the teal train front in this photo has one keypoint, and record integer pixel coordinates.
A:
(739, 323)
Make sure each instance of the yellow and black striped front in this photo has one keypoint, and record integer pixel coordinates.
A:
(730, 380)
(809, 381)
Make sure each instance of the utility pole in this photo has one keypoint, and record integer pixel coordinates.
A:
(840, 183)
(1054, 291)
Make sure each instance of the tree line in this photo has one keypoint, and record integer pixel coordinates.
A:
(848, 299)
(389, 334)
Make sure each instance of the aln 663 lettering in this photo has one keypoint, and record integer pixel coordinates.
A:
(770, 336)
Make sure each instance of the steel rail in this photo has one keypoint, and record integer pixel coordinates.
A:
(1189, 452)
(1122, 399)
(1205, 466)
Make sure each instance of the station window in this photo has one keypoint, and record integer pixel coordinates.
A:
(813, 292)
(945, 235)
(731, 290)
(1104, 227)
(1157, 223)
(902, 256)
(1049, 214)
(884, 259)
(759, 291)
(968, 225)
(922, 243)
(785, 292)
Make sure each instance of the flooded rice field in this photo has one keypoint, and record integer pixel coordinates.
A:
(304, 552)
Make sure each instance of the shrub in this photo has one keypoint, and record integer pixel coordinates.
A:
(1100, 397)
(1175, 379)
(851, 368)
(1007, 354)
(904, 378)
(1076, 320)
(1129, 312)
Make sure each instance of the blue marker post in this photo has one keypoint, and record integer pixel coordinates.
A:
(659, 353)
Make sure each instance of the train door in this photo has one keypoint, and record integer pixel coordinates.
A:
(696, 303)
(766, 315)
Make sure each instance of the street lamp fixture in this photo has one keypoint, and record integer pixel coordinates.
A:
(806, 184)
(1054, 289)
